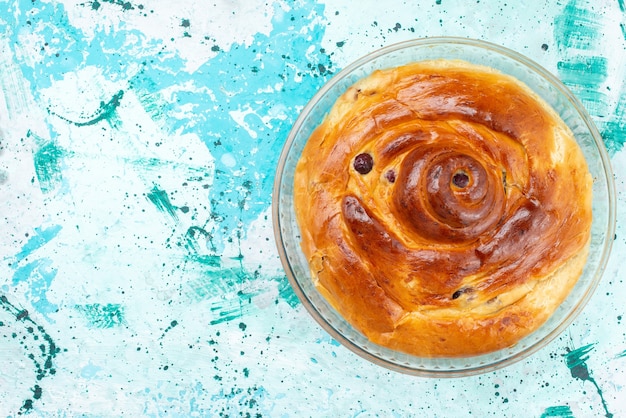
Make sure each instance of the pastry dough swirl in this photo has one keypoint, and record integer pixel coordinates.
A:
(469, 227)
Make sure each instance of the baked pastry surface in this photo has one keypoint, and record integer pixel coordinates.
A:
(444, 208)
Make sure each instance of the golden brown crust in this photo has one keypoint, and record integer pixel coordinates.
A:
(425, 262)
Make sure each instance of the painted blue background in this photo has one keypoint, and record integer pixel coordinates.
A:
(137, 155)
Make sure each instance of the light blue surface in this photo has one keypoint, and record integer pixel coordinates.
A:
(138, 271)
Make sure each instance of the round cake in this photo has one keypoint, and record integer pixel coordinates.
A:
(444, 208)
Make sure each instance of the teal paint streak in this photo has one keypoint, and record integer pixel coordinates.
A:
(622, 5)
(47, 161)
(585, 75)
(593, 101)
(286, 293)
(48, 166)
(41, 238)
(205, 259)
(216, 282)
(227, 284)
(588, 72)
(107, 111)
(558, 412)
(226, 313)
(161, 201)
(576, 361)
(614, 130)
(233, 308)
(196, 241)
(577, 32)
(38, 273)
(621, 355)
(614, 135)
(150, 98)
(577, 28)
(102, 316)
(39, 347)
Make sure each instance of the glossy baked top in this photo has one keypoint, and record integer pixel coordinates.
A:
(444, 208)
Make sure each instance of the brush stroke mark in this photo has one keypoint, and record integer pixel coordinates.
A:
(231, 309)
(563, 411)
(286, 293)
(614, 130)
(589, 72)
(621, 355)
(38, 346)
(102, 316)
(161, 201)
(38, 273)
(577, 33)
(215, 281)
(205, 259)
(622, 8)
(232, 292)
(585, 83)
(106, 111)
(47, 160)
(41, 238)
(197, 240)
(12, 84)
(576, 361)
(241, 304)
(577, 28)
